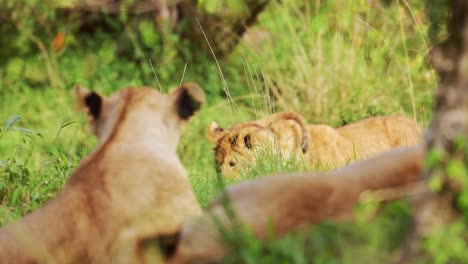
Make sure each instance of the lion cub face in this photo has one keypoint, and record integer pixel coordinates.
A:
(166, 112)
(238, 146)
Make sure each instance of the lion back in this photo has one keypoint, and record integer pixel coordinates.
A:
(381, 133)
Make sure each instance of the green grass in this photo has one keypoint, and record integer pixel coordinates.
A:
(328, 242)
(333, 61)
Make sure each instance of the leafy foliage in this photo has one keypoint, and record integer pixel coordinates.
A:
(23, 188)
(327, 242)
(457, 172)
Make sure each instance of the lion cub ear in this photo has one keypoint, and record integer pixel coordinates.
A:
(90, 100)
(280, 124)
(214, 132)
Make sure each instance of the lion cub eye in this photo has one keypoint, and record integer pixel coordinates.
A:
(247, 141)
(232, 163)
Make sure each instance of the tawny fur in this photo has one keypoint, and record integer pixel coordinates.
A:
(286, 202)
(131, 186)
(320, 146)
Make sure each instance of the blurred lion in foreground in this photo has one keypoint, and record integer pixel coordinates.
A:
(131, 186)
(287, 133)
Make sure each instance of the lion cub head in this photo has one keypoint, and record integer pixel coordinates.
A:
(235, 147)
(170, 111)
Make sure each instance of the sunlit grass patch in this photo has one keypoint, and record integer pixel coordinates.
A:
(339, 61)
(267, 160)
(31, 171)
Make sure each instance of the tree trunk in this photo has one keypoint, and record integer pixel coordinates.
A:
(450, 59)
(223, 30)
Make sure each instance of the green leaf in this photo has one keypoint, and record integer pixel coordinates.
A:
(435, 182)
(210, 6)
(463, 200)
(14, 197)
(456, 169)
(148, 33)
(14, 68)
(461, 143)
(433, 157)
(27, 131)
(11, 121)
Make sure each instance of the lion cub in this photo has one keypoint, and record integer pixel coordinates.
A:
(131, 186)
(288, 134)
